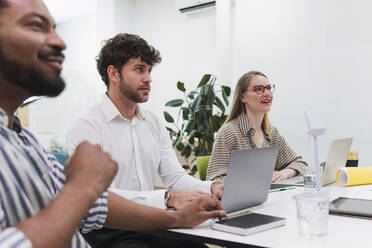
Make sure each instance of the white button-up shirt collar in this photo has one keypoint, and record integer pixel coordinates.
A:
(111, 112)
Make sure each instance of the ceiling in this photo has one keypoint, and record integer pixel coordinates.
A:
(70, 9)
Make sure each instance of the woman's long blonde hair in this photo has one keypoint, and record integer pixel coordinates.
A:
(238, 106)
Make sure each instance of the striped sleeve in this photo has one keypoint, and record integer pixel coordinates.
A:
(13, 238)
(56, 171)
(96, 216)
(287, 158)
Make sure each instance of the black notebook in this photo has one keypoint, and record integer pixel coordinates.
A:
(248, 223)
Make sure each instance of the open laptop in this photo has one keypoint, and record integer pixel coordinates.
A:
(248, 178)
(337, 157)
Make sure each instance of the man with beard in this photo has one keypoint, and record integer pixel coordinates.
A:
(133, 136)
(41, 202)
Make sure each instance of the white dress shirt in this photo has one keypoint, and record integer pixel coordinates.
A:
(142, 148)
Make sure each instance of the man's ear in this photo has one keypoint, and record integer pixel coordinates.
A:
(113, 74)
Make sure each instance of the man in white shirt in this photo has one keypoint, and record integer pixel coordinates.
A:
(135, 137)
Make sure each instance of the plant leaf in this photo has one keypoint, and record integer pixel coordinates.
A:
(203, 90)
(178, 141)
(186, 152)
(172, 133)
(193, 133)
(219, 104)
(175, 141)
(225, 98)
(200, 108)
(190, 126)
(226, 89)
(174, 103)
(181, 86)
(195, 102)
(202, 113)
(205, 79)
(217, 123)
(180, 146)
(202, 151)
(192, 94)
(199, 102)
(185, 113)
(168, 117)
(210, 95)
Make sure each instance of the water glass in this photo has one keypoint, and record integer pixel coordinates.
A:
(312, 212)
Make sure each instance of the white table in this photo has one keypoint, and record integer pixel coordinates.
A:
(342, 231)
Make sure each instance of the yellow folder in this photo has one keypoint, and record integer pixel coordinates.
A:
(354, 176)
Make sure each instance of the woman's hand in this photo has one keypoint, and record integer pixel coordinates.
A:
(283, 174)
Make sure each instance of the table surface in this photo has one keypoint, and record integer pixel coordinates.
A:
(342, 231)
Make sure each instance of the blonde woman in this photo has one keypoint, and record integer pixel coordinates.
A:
(248, 126)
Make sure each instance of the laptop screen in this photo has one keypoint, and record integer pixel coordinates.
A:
(248, 178)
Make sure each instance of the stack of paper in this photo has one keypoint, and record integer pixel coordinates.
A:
(354, 176)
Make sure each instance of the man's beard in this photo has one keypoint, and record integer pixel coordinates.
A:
(35, 81)
(129, 93)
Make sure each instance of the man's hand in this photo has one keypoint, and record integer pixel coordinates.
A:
(283, 174)
(198, 211)
(90, 168)
(179, 199)
(89, 171)
(217, 189)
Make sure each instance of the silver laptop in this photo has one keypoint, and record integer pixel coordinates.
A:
(337, 157)
(248, 178)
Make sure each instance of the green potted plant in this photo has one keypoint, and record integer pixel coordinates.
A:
(200, 115)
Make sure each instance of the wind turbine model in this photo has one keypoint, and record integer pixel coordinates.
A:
(315, 132)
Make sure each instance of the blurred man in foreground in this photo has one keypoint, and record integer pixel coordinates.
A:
(42, 203)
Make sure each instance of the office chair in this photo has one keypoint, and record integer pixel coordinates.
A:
(202, 165)
(60, 156)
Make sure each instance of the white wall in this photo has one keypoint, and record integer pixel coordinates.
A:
(317, 52)
(186, 43)
(318, 55)
(50, 118)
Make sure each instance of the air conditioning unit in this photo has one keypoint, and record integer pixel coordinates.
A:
(192, 5)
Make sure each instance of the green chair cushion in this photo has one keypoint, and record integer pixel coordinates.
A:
(202, 165)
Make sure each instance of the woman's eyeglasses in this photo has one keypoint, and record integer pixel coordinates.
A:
(260, 89)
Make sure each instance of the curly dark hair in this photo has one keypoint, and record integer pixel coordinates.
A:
(120, 49)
